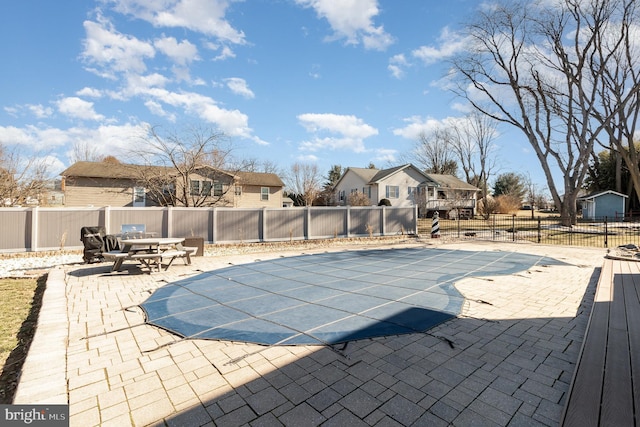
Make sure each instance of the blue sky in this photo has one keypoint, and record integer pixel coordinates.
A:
(347, 82)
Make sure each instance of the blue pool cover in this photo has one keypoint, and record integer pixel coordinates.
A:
(327, 298)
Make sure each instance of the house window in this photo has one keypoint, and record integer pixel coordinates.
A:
(217, 189)
(139, 196)
(393, 191)
(264, 193)
(238, 190)
(341, 195)
(354, 190)
(195, 188)
(206, 188)
(367, 191)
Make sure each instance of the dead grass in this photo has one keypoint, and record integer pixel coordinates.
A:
(20, 301)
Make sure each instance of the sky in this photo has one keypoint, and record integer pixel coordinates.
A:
(325, 82)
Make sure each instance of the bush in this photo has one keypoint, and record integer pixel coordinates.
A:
(507, 204)
(384, 202)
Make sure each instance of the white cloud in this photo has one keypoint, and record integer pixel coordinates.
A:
(450, 43)
(417, 125)
(89, 92)
(346, 132)
(396, 66)
(203, 16)
(181, 53)
(113, 52)
(387, 155)
(352, 20)
(77, 108)
(240, 87)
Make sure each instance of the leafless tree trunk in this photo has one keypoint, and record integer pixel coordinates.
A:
(619, 90)
(22, 180)
(304, 179)
(537, 67)
(172, 161)
(473, 140)
(433, 154)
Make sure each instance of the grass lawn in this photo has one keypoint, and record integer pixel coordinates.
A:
(20, 301)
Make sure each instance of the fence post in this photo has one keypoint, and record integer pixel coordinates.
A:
(214, 222)
(606, 233)
(415, 220)
(169, 221)
(383, 227)
(263, 232)
(107, 219)
(34, 229)
(493, 227)
(307, 222)
(513, 228)
(539, 230)
(348, 221)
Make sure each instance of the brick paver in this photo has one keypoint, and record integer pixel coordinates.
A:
(506, 360)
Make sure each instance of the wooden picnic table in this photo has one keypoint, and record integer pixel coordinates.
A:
(150, 252)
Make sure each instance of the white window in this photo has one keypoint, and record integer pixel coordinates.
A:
(393, 191)
(238, 190)
(139, 197)
(264, 193)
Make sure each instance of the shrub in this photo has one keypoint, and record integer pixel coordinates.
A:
(384, 202)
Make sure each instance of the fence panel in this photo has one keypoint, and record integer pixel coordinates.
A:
(285, 224)
(237, 225)
(325, 223)
(400, 220)
(16, 229)
(365, 221)
(58, 228)
(191, 222)
(155, 219)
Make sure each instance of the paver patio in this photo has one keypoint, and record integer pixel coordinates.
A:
(507, 360)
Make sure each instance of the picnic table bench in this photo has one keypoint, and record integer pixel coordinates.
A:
(150, 252)
(605, 390)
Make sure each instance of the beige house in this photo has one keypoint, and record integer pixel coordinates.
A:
(118, 184)
(407, 185)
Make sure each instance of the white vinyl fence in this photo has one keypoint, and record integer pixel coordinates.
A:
(44, 229)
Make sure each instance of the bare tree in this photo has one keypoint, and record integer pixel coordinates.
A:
(85, 152)
(358, 198)
(433, 152)
(536, 66)
(305, 180)
(23, 180)
(618, 90)
(473, 140)
(174, 160)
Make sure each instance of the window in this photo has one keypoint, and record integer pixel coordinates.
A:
(341, 195)
(264, 193)
(412, 190)
(393, 191)
(367, 191)
(206, 188)
(354, 190)
(139, 196)
(238, 190)
(195, 188)
(217, 189)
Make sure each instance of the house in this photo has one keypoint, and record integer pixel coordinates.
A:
(119, 184)
(407, 185)
(602, 204)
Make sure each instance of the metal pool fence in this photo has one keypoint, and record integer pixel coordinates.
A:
(603, 232)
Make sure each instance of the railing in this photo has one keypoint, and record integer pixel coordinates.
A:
(449, 204)
(604, 232)
(43, 229)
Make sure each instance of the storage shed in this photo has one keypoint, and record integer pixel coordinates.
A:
(602, 204)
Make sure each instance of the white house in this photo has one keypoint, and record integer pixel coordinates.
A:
(407, 185)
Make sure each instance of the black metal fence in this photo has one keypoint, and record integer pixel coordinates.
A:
(603, 232)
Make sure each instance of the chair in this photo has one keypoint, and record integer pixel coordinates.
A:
(96, 241)
(132, 231)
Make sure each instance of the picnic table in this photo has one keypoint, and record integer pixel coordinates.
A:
(150, 252)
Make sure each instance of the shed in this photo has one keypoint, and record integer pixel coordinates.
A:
(610, 204)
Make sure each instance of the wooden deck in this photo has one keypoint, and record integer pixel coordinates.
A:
(605, 390)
